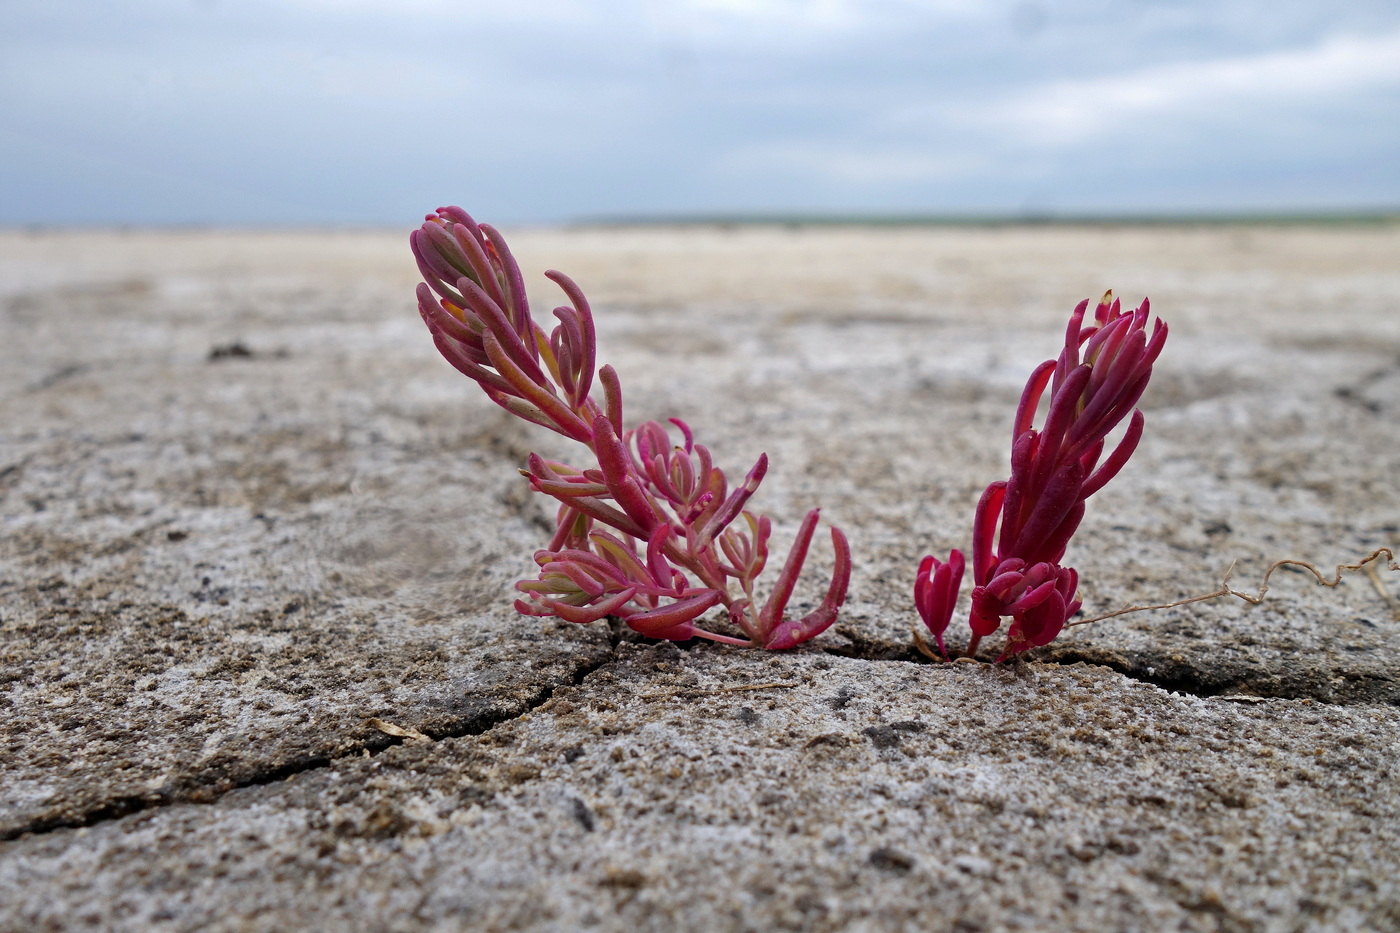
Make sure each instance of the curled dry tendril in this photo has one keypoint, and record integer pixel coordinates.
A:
(1367, 564)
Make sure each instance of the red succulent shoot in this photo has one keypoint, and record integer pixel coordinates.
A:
(1023, 525)
(676, 549)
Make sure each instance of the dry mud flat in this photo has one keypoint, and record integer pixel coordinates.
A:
(250, 522)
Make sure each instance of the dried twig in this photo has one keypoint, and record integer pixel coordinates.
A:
(400, 732)
(922, 644)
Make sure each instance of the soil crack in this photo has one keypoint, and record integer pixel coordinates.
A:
(479, 722)
(1314, 681)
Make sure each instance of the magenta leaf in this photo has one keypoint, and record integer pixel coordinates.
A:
(787, 634)
(936, 588)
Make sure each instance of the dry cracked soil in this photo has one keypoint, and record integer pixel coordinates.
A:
(259, 668)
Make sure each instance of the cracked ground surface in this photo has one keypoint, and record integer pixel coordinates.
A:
(250, 523)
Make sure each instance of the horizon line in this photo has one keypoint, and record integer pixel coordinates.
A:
(1321, 217)
(992, 218)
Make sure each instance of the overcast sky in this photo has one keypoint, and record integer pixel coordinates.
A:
(360, 112)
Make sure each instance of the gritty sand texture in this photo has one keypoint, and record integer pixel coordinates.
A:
(251, 522)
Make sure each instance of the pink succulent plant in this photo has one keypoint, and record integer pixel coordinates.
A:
(676, 548)
(1096, 381)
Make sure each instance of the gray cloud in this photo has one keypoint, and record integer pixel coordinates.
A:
(314, 111)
